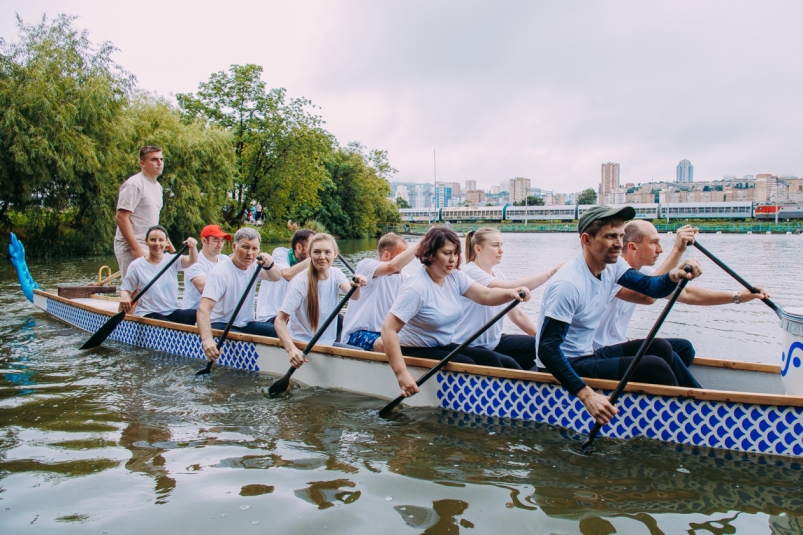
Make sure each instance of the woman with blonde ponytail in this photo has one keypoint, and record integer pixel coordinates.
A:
(484, 252)
(311, 297)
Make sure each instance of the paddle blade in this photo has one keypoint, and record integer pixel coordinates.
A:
(280, 386)
(390, 406)
(206, 370)
(104, 331)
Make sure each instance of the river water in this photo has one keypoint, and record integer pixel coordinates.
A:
(120, 440)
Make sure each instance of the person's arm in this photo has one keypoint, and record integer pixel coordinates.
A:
(192, 257)
(271, 274)
(634, 297)
(289, 273)
(684, 236)
(345, 286)
(122, 218)
(551, 355)
(202, 317)
(521, 320)
(390, 338)
(125, 302)
(495, 296)
(662, 285)
(696, 295)
(297, 357)
(532, 282)
(199, 282)
(397, 264)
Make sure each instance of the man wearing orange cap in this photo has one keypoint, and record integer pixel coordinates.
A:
(212, 238)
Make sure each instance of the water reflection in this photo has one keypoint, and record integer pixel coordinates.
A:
(324, 494)
(440, 519)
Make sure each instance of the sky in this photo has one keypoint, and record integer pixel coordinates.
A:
(543, 90)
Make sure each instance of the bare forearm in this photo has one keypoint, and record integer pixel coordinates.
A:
(698, 296)
(289, 273)
(124, 224)
(390, 338)
(202, 317)
(521, 320)
(280, 324)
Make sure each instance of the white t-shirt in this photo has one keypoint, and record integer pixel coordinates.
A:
(225, 285)
(271, 293)
(475, 315)
(575, 296)
(143, 198)
(613, 327)
(295, 305)
(369, 311)
(162, 297)
(430, 312)
(192, 297)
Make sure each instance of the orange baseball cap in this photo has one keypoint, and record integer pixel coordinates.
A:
(215, 232)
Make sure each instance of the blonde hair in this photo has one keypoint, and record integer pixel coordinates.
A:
(477, 237)
(313, 307)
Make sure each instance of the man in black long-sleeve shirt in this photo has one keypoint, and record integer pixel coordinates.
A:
(575, 299)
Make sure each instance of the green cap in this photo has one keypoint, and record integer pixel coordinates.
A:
(601, 212)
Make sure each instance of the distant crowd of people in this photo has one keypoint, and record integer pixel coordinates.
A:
(580, 329)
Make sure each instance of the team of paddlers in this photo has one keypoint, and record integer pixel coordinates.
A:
(580, 330)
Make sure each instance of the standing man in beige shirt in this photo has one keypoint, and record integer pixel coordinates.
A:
(138, 205)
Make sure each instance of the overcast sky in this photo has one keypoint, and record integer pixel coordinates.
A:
(544, 90)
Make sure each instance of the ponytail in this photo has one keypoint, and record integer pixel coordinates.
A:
(470, 254)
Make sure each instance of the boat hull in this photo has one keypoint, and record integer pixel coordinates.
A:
(744, 422)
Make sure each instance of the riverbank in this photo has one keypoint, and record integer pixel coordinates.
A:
(741, 227)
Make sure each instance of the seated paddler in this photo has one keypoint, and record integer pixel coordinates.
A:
(161, 300)
(576, 298)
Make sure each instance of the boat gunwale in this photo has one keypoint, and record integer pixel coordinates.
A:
(503, 373)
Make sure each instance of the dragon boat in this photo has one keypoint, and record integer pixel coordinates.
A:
(742, 407)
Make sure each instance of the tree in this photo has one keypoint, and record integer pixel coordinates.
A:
(280, 147)
(532, 200)
(587, 196)
(401, 203)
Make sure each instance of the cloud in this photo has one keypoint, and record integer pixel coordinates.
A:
(546, 90)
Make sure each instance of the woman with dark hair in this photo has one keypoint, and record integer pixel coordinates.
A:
(161, 300)
(311, 297)
(423, 318)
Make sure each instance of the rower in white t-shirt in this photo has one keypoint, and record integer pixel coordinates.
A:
(364, 318)
(161, 300)
(289, 263)
(484, 251)
(312, 297)
(212, 240)
(424, 316)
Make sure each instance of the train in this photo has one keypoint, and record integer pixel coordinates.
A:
(734, 211)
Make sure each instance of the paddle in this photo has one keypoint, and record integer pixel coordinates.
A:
(345, 262)
(223, 336)
(778, 310)
(281, 385)
(107, 328)
(395, 403)
(641, 351)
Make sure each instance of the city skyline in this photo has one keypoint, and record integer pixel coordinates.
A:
(499, 93)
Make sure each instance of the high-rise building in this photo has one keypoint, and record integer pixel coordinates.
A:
(443, 194)
(685, 172)
(609, 179)
(456, 189)
(519, 189)
(471, 185)
(475, 196)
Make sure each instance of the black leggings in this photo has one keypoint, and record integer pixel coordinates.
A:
(611, 362)
(467, 355)
(183, 316)
(519, 346)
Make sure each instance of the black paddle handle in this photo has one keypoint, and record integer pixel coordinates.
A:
(172, 261)
(432, 371)
(345, 262)
(639, 354)
(736, 276)
(323, 328)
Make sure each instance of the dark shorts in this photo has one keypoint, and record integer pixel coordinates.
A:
(183, 316)
(363, 339)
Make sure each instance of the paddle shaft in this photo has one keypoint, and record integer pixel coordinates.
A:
(639, 355)
(234, 316)
(315, 338)
(738, 278)
(421, 380)
(345, 262)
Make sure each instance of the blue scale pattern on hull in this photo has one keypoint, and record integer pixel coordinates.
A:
(236, 354)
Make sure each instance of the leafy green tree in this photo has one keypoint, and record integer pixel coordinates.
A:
(280, 147)
(401, 203)
(587, 196)
(532, 200)
(62, 99)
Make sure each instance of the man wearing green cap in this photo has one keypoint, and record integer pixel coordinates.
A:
(575, 299)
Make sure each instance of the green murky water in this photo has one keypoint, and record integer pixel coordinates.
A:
(120, 440)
